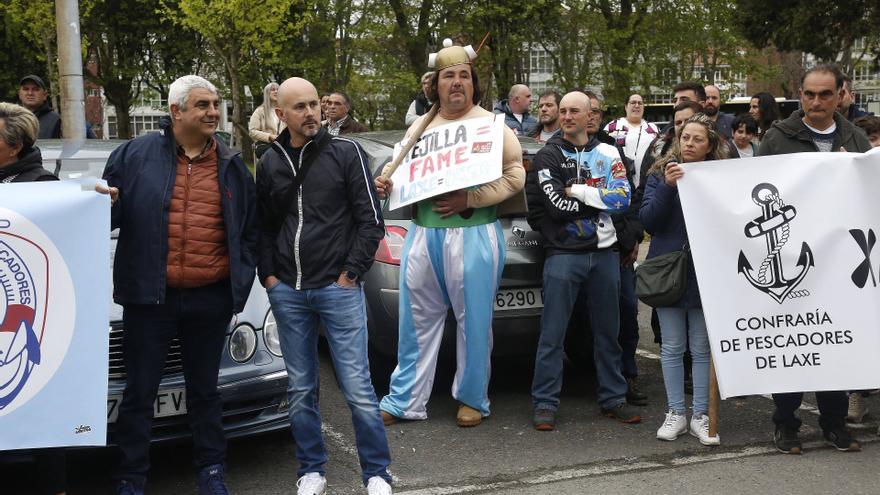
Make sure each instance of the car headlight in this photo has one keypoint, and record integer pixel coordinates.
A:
(270, 334)
(242, 343)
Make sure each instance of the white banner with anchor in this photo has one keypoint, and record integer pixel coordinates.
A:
(784, 252)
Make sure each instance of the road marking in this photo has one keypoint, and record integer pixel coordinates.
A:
(343, 444)
(647, 354)
(610, 467)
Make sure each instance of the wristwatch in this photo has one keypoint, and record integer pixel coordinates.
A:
(351, 276)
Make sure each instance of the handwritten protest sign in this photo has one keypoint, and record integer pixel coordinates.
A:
(54, 305)
(447, 158)
(783, 249)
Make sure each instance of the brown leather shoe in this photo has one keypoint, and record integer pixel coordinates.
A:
(388, 419)
(468, 416)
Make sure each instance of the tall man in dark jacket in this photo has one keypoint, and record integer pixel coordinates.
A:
(814, 128)
(185, 262)
(575, 183)
(321, 225)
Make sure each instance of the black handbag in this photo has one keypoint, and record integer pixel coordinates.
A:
(662, 280)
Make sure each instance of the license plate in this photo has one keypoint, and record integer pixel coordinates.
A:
(508, 299)
(169, 402)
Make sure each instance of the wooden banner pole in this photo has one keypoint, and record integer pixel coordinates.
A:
(714, 399)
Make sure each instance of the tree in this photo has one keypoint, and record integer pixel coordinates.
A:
(117, 34)
(244, 38)
(18, 57)
(36, 19)
(827, 29)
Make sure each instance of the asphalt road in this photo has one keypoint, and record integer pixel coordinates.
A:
(588, 453)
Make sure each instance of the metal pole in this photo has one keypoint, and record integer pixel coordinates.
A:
(73, 113)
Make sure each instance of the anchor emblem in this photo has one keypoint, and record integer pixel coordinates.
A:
(773, 225)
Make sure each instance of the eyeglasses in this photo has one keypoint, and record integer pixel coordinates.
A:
(636, 103)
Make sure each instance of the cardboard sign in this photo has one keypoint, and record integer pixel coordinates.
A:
(448, 158)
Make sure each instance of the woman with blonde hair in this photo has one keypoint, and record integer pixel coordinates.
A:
(264, 125)
(682, 322)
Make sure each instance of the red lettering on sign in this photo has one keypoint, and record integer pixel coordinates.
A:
(459, 155)
(413, 166)
(428, 166)
(444, 160)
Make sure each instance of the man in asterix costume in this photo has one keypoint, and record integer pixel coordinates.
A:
(454, 257)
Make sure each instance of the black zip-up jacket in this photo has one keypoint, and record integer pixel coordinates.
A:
(28, 168)
(332, 224)
(144, 169)
(628, 225)
(578, 223)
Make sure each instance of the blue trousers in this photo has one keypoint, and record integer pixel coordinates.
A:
(598, 274)
(343, 314)
(682, 328)
(441, 268)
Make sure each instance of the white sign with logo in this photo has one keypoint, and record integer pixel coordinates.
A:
(784, 249)
(54, 305)
(447, 158)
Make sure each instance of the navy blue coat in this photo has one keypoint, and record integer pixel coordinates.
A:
(144, 170)
(662, 217)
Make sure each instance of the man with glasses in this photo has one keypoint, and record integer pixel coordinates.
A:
(816, 127)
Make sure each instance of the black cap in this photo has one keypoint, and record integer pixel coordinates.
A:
(36, 79)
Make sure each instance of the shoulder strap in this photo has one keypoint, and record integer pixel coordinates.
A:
(323, 140)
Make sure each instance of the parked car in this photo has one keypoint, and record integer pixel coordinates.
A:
(252, 380)
(252, 375)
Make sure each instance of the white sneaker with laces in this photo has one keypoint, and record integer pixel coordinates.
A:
(674, 425)
(378, 486)
(311, 484)
(700, 429)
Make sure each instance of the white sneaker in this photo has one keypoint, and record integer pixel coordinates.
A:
(700, 429)
(673, 426)
(378, 486)
(311, 484)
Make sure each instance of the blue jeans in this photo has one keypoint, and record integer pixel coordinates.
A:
(597, 273)
(629, 322)
(678, 327)
(343, 314)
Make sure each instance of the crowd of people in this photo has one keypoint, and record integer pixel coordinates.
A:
(592, 192)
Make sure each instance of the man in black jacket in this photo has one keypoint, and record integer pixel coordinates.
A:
(629, 236)
(321, 225)
(184, 264)
(575, 183)
(34, 95)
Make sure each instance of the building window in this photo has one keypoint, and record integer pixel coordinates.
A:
(664, 98)
(539, 61)
(862, 72)
(140, 125)
(862, 99)
(95, 92)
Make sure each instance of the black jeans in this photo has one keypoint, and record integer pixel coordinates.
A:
(199, 317)
(628, 338)
(832, 409)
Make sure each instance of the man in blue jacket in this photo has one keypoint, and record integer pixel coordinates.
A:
(516, 110)
(185, 207)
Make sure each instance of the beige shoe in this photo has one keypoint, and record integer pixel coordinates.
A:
(388, 419)
(858, 408)
(468, 416)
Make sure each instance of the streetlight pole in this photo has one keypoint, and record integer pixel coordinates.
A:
(70, 75)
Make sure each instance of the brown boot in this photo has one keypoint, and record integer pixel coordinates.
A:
(388, 419)
(468, 416)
